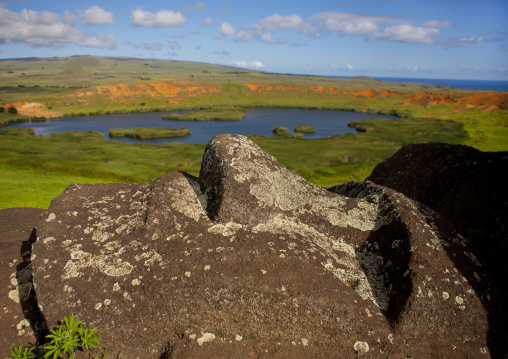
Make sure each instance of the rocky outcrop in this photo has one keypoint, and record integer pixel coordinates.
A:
(250, 260)
(464, 185)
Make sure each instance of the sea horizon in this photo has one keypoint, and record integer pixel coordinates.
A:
(479, 85)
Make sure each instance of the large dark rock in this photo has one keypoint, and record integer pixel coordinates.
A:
(464, 185)
(252, 261)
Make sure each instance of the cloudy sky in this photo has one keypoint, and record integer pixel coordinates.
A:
(456, 39)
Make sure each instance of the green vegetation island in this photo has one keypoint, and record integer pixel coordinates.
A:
(149, 133)
(281, 131)
(305, 129)
(34, 169)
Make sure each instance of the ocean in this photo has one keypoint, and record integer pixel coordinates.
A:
(480, 85)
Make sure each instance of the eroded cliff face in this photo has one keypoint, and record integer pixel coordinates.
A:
(252, 260)
(182, 90)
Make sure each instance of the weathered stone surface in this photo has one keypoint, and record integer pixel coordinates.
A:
(15, 290)
(252, 261)
(464, 185)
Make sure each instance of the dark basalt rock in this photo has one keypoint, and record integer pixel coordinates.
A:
(464, 185)
(253, 261)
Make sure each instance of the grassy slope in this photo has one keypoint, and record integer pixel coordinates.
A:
(60, 160)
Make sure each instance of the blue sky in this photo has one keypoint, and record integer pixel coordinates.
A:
(379, 38)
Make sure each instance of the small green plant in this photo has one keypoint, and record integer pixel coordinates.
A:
(62, 342)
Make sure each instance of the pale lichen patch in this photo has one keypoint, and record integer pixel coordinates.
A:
(51, 217)
(23, 324)
(108, 265)
(228, 229)
(207, 337)
(14, 295)
(361, 347)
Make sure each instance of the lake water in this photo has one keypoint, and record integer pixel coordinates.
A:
(256, 122)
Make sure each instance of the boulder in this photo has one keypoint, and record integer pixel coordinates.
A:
(464, 185)
(250, 260)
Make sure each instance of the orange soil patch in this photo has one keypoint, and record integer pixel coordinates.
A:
(390, 93)
(428, 98)
(498, 100)
(154, 89)
(490, 100)
(264, 88)
(369, 93)
(32, 109)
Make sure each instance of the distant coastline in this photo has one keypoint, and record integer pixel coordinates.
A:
(479, 85)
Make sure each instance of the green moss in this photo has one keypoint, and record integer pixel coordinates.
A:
(298, 136)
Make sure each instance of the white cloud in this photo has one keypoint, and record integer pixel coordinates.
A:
(247, 64)
(199, 6)
(98, 16)
(36, 29)
(207, 22)
(437, 23)
(351, 24)
(227, 30)
(348, 66)
(166, 18)
(413, 68)
(268, 37)
(243, 36)
(465, 41)
(48, 29)
(100, 41)
(407, 33)
(265, 28)
(70, 18)
(152, 46)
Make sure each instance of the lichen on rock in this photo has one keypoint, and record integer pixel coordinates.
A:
(258, 260)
